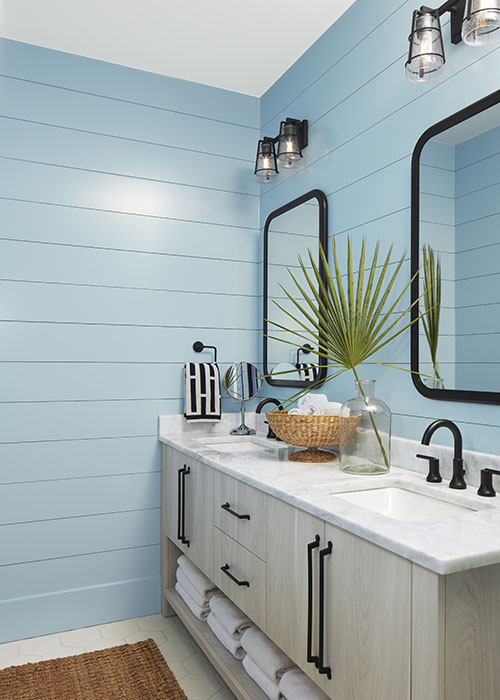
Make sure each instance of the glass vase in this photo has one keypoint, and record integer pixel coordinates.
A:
(434, 382)
(365, 442)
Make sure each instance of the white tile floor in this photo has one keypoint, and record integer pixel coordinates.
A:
(195, 674)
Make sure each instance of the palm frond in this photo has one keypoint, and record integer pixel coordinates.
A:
(351, 317)
(432, 303)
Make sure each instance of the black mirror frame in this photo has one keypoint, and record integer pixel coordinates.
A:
(489, 397)
(323, 240)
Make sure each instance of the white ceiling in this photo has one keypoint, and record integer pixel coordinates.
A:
(240, 46)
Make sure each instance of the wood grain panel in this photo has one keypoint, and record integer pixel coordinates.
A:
(291, 530)
(473, 634)
(367, 620)
(243, 499)
(245, 566)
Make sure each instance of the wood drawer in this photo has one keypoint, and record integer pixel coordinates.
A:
(244, 566)
(242, 500)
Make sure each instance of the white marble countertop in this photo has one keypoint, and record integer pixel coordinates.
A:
(445, 546)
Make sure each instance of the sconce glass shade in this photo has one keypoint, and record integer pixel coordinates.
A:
(289, 153)
(481, 22)
(266, 169)
(426, 53)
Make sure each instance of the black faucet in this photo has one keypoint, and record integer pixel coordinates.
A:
(457, 480)
(270, 433)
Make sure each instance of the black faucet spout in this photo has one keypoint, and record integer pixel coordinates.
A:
(457, 481)
(275, 402)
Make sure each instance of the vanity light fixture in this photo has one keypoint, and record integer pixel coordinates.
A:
(266, 169)
(481, 22)
(477, 22)
(291, 140)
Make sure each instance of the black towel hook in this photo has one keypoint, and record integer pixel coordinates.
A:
(198, 346)
(306, 349)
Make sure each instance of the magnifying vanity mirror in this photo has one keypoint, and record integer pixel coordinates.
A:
(242, 382)
(289, 232)
(455, 253)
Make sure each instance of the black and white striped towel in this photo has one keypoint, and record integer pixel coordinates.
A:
(307, 371)
(202, 392)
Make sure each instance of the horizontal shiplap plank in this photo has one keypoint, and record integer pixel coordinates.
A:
(39, 461)
(102, 229)
(35, 342)
(72, 537)
(43, 104)
(79, 607)
(25, 261)
(77, 73)
(38, 142)
(77, 188)
(36, 578)
(78, 497)
(27, 301)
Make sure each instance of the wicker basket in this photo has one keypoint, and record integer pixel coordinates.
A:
(312, 432)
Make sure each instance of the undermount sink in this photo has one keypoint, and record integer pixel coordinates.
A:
(239, 444)
(402, 504)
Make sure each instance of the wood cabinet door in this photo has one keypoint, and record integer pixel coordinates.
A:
(367, 620)
(290, 531)
(197, 502)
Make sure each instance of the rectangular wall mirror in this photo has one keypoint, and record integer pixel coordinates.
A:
(289, 232)
(456, 218)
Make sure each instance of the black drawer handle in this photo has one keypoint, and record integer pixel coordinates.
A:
(311, 658)
(225, 570)
(320, 664)
(227, 508)
(184, 540)
(179, 502)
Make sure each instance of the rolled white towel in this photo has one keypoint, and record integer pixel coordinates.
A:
(309, 410)
(345, 412)
(231, 644)
(202, 584)
(312, 398)
(199, 599)
(268, 657)
(295, 685)
(232, 619)
(265, 684)
(312, 409)
(199, 612)
(332, 408)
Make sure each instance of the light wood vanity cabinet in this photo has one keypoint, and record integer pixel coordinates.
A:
(189, 508)
(392, 630)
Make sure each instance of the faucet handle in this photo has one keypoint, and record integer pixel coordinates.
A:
(434, 475)
(486, 487)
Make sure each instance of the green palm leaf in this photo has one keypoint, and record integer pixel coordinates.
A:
(351, 317)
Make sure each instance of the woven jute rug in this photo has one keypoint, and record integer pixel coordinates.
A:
(128, 672)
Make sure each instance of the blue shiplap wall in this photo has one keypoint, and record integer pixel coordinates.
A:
(478, 261)
(129, 229)
(365, 119)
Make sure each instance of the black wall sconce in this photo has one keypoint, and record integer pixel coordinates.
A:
(476, 22)
(291, 140)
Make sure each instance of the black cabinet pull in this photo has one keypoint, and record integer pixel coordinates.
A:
(225, 570)
(227, 508)
(179, 502)
(321, 668)
(184, 540)
(311, 658)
